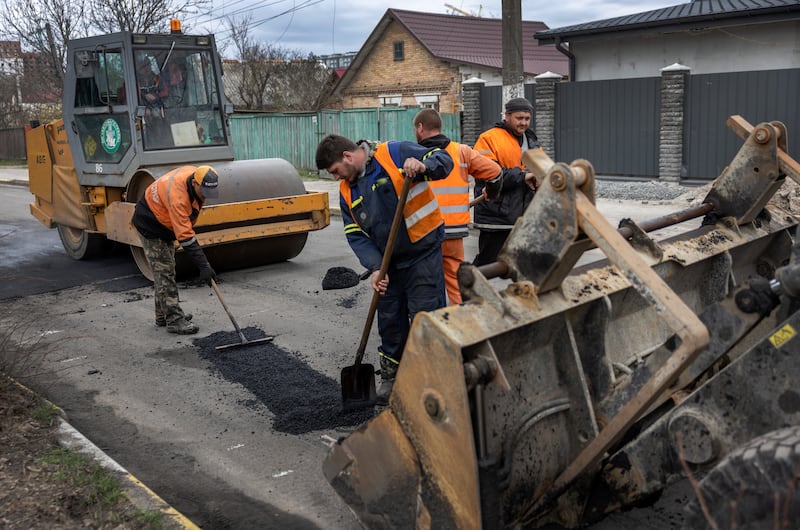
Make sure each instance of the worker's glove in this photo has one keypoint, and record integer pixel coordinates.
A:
(195, 252)
(494, 188)
(206, 275)
(757, 298)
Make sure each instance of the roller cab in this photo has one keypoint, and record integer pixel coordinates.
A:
(135, 107)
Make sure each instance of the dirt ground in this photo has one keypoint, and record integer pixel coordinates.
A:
(33, 493)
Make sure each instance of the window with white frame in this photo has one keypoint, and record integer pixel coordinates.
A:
(390, 100)
(427, 100)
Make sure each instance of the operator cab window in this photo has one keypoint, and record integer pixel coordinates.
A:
(179, 101)
(100, 115)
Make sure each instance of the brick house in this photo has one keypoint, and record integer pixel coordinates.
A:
(415, 59)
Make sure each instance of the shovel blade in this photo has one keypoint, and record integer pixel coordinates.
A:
(245, 342)
(358, 387)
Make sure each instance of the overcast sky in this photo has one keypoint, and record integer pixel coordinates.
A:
(324, 27)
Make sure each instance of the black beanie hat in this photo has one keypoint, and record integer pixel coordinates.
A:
(519, 105)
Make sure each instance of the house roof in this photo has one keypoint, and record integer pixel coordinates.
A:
(691, 15)
(465, 40)
(477, 41)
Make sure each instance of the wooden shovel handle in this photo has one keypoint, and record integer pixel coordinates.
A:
(387, 258)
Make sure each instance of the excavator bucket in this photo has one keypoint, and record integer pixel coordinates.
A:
(573, 391)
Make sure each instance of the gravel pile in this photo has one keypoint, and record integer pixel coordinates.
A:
(640, 191)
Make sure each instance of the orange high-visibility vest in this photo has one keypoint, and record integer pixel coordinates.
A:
(421, 213)
(452, 193)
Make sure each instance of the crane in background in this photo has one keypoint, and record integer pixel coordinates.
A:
(462, 12)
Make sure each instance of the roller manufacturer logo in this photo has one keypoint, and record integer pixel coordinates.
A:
(110, 136)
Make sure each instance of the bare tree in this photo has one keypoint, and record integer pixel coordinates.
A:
(141, 16)
(297, 83)
(10, 104)
(271, 77)
(254, 69)
(44, 26)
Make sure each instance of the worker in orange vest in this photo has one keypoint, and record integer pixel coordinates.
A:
(452, 193)
(371, 180)
(504, 143)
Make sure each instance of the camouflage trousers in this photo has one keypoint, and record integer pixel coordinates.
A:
(161, 257)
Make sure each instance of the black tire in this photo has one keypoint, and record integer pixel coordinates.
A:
(81, 244)
(755, 487)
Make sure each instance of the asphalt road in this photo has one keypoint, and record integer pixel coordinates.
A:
(146, 397)
(221, 448)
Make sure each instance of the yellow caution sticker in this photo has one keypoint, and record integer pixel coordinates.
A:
(782, 336)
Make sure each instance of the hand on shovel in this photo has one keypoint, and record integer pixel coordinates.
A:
(379, 286)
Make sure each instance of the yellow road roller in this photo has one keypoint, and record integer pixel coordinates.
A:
(135, 107)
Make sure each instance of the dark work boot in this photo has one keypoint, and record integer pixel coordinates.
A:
(388, 372)
(161, 320)
(183, 327)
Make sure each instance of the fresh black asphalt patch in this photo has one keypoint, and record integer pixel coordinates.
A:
(300, 398)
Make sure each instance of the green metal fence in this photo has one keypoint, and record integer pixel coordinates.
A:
(294, 137)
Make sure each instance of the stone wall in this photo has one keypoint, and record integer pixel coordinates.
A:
(545, 105)
(670, 147)
(471, 115)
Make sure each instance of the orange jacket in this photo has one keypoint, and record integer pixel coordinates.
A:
(452, 193)
(501, 146)
(173, 205)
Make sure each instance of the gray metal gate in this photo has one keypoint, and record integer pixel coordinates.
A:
(756, 96)
(613, 124)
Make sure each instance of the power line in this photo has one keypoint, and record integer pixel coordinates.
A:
(224, 34)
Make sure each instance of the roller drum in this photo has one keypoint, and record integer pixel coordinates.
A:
(243, 180)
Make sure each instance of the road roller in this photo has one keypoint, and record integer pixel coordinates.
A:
(136, 106)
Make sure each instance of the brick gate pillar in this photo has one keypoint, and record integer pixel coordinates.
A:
(471, 110)
(670, 145)
(545, 105)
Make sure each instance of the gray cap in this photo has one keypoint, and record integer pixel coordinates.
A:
(519, 105)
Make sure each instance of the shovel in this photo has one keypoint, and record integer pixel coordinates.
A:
(358, 380)
(243, 340)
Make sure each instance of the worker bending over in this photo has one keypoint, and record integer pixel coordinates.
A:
(167, 212)
(370, 182)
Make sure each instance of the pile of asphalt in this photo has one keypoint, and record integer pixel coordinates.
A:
(301, 399)
(339, 278)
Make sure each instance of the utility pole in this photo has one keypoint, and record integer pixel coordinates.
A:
(513, 71)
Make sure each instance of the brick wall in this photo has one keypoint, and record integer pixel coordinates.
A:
(419, 72)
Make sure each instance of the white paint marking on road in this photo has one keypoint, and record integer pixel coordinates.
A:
(237, 446)
(82, 357)
(51, 332)
(282, 473)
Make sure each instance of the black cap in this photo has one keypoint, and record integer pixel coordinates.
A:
(208, 180)
(519, 105)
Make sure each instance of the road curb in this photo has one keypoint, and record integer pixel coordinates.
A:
(14, 182)
(140, 495)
